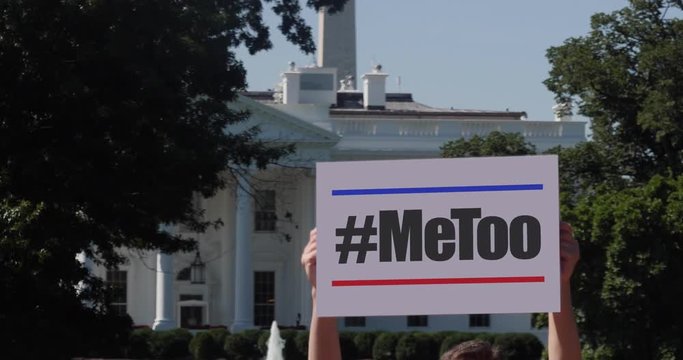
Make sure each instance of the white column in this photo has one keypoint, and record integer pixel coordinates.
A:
(163, 319)
(164, 299)
(227, 306)
(244, 274)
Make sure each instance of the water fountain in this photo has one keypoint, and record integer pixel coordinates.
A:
(275, 344)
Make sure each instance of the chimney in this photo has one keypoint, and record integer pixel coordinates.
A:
(291, 81)
(309, 85)
(374, 89)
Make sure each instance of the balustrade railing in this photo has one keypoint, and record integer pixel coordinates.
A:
(456, 128)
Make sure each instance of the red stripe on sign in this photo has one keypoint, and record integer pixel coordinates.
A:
(441, 281)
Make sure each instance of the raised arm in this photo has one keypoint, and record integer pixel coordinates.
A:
(323, 339)
(563, 335)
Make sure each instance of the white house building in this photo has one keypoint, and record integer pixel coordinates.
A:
(251, 269)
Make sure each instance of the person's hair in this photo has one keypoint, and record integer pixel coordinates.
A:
(471, 350)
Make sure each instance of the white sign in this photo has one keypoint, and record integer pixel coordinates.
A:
(439, 236)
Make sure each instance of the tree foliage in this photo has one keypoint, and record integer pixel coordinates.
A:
(626, 288)
(630, 236)
(626, 76)
(112, 115)
(623, 193)
(494, 144)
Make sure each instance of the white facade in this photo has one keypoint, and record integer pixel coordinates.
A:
(241, 252)
(252, 267)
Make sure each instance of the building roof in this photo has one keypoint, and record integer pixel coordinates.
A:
(397, 104)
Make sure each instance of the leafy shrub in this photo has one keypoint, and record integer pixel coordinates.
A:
(348, 347)
(242, 346)
(108, 335)
(416, 346)
(439, 337)
(487, 337)
(428, 345)
(219, 335)
(262, 342)
(291, 351)
(600, 352)
(519, 346)
(454, 339)
(301, 341)
(139, 344)
(364, 342)
(252, 334)
(204, 347)
(385, 346)
(406, 347)
(172, 344)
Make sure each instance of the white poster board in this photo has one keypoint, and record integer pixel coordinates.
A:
(438, 236)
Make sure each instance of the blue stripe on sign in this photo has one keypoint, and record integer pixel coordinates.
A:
(437, 189)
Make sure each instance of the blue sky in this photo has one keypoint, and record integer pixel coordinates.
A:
(468, 54)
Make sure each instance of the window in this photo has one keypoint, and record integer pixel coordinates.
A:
(417, 321)
(264, 298)
(264, 217)
(317, 82)
(192, 308)
(117, 282)
(480, 320)
(354, 321)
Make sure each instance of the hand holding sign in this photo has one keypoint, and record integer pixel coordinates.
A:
(563, 337)
(309, 259)
(324, 339)
(569, 251)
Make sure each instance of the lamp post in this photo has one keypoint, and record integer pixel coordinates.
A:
(198, 270)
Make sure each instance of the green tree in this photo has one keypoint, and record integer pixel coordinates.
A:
(494, 144)
(112, 115)
(625, 188)
(626, 288)
(585, 169)
(626, 76)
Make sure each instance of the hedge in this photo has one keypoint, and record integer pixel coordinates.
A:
(291, 351)
(364, 342)
(171, 344)
(385, 346)
(242, 345)
(519, 346)
(454, 339)
(347, 345)
(204, 346)
(302, 341)
(179, 344)
(139, 344)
